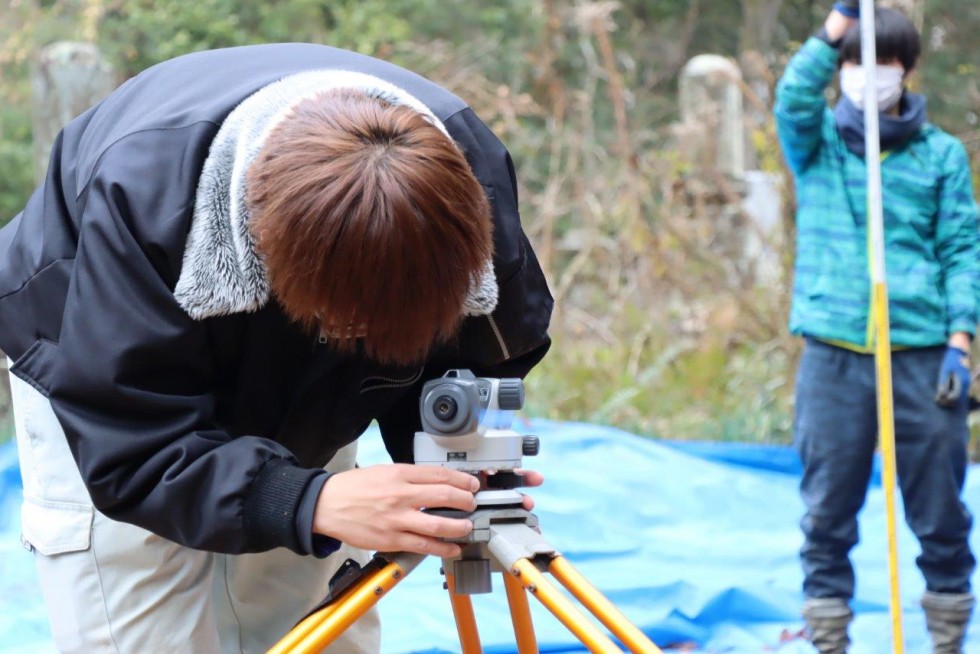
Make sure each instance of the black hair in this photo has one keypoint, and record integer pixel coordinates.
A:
(895, 38)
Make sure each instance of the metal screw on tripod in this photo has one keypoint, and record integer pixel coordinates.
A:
(378, 590)
(530, 446)
(445, 585)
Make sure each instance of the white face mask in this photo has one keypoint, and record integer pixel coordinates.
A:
(888, 79)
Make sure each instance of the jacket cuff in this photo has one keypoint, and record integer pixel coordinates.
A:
(318, 545)
(272, 504)
(822, 53)
(963, 325)
(823, 36)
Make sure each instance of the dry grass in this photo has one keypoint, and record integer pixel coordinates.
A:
(660, 325)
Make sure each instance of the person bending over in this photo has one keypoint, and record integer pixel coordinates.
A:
(236, 262)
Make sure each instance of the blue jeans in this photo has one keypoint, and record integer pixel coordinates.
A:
(836, 430)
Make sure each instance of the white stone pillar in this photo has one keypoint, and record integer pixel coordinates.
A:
(69, 77)
(711, 111)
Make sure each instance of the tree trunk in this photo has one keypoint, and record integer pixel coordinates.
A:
(914, 9)
(760, 19)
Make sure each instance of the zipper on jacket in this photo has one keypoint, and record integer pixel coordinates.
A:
(389, 382)
(500, 339)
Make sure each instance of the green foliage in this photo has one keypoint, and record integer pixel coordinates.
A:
(949, 70)
(140, 33)
(16, 161)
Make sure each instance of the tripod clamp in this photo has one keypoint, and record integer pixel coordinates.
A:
(503, 531)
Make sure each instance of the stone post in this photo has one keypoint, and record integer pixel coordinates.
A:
(741, 206)
(711, 115)
(69, 77)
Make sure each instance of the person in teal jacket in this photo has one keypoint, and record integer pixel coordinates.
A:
(932, 257)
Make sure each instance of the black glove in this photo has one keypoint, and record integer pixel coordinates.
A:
(850, 8)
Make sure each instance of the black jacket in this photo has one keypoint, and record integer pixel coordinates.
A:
(211, 432)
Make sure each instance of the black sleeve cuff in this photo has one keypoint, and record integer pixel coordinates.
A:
(823, 36)
(318, 545)
(271, 506)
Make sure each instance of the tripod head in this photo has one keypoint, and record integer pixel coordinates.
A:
(466, 424)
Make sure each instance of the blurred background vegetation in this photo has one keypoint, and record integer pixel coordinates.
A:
(659, 327)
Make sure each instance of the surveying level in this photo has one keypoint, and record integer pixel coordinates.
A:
(466, 426)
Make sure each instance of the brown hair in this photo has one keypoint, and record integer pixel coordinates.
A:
(368, 217)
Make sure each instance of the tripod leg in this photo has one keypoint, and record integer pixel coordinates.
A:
(469, 636)
(600, 607)
(290, 641)
(520, 615)
(531, 579)
(323, 627)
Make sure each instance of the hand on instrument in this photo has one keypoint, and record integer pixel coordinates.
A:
(378, 508)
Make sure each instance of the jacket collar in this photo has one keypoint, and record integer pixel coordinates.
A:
(894, 131)
(222, 272)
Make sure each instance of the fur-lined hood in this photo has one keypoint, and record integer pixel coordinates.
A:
(222, 271)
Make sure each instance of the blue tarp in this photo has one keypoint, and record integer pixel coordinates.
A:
(696, 543)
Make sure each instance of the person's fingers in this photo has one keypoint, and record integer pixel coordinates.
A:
(440, 496)
(418, 544)
(528, 502)
(530, 477)
(426, 524)
(425, 474)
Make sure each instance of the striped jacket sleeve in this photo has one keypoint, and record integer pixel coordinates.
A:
(958, 242)
(800, 103)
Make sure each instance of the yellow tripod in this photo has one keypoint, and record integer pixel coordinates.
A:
(505, 538)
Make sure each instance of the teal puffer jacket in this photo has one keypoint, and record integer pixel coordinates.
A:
(932, 245)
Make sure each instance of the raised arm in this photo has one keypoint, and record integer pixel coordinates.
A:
(800, 103)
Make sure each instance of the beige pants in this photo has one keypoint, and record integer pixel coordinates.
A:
(113, 587)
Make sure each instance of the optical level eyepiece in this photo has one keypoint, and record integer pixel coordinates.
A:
(450, 407)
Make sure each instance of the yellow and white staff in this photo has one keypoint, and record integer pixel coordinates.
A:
(883, 363)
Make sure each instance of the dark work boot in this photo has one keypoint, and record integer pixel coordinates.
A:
(947, 616)
(826, 623)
